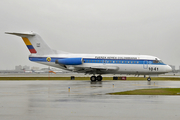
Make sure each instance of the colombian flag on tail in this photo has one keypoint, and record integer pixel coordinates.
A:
(29, 45)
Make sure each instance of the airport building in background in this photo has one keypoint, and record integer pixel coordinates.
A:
(173, 68)
(18, 67)
(35, 68)
(26, 67)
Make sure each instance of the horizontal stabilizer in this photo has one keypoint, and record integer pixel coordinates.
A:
(21, 34)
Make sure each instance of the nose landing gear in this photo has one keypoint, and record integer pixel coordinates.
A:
(148, 79)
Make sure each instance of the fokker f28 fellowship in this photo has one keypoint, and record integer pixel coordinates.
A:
(95, 64)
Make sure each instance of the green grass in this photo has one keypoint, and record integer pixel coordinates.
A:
(49, 78)
(88, 78)
(154, 78)
(156, 91)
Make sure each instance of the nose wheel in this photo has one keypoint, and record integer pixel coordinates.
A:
(98, 78)
(148, 79)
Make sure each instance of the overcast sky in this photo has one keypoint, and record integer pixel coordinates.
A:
(146, 27)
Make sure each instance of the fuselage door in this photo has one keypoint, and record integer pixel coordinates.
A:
(145, 64)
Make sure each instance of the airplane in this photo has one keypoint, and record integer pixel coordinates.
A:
(95, 64)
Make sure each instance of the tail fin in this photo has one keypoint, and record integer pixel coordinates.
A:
(34, 43)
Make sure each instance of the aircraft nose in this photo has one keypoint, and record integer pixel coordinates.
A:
(168, 68)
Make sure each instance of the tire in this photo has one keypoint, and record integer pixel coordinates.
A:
(93, 78)
(148, 79)
(99, 78)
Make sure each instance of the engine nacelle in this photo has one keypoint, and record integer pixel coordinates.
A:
(70, 61)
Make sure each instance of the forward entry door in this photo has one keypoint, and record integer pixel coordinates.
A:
(145, 64)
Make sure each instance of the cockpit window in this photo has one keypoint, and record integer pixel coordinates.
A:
(160, 61)
(157, 61)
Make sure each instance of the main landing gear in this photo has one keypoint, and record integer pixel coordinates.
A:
(98, 78)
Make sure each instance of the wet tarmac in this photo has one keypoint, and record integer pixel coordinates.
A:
(54, 100)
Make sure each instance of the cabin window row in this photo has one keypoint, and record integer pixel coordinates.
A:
(110, 61)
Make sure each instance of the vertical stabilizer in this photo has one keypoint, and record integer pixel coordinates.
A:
(34, 43)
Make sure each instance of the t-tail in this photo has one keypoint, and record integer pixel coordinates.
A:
(34, 43)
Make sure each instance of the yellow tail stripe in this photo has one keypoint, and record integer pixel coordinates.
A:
(26, 41)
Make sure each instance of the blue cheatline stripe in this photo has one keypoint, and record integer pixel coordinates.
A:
(43, 59)
(30, 47)
(100, 61)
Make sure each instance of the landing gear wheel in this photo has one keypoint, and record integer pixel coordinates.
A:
(99, 78)
(148, 79)
(93, 78)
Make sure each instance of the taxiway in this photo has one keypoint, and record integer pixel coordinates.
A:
(84, 100)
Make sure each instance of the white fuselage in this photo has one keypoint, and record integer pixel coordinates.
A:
(108, 64)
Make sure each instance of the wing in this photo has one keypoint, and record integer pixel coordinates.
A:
(96, 69)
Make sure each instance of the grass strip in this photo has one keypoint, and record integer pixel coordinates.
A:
(88, 78)
(154, 91)
(49, 78)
